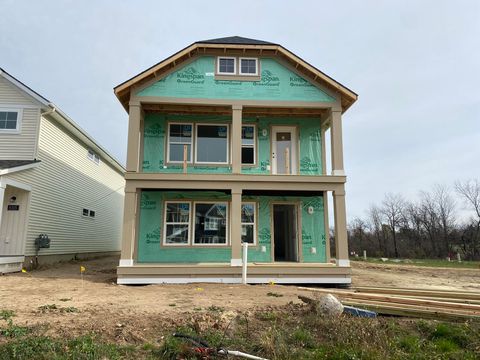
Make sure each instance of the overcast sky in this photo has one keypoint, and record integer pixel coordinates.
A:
(414, 64)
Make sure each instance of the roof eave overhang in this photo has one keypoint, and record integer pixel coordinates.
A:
(122, 91)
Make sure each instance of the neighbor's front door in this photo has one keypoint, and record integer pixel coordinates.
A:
(284, 150)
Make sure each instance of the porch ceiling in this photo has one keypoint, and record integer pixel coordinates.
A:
(227, 110)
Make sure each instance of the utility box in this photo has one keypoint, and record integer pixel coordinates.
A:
(42, 242)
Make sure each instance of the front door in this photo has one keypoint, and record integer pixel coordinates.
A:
(13, 222)
(285, 241)
(284, 150)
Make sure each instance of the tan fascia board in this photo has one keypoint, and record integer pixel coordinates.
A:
(122, 89)
(65, 121)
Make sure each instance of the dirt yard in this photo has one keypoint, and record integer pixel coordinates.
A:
(57, 298)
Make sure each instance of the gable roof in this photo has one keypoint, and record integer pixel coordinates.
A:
(56, 113)
(122, 91)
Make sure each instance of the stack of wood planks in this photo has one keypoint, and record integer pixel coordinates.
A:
(424, 303)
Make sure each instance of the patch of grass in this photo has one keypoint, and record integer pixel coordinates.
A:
(65, 299)
(215, 308)
(69, 309)
(172, 305)
(289, 332)
(6, 314)
(274, 294)
(47, 308)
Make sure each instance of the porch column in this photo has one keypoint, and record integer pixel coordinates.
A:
(336, 143)
(129, 225)
(134, 140)
(236, 228)
(2, 197)
(341, 240)
(236, 139)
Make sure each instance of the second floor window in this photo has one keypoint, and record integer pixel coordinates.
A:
(9, 120)
(93, 157)
(179, 136)
(226, 65)
(212, 144)
(248, 145)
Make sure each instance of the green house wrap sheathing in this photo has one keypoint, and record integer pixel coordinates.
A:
(155, 142)
(151, 250)
(197, 80)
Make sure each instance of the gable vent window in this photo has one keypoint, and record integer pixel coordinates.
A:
(248, 66)
(93, 157)
(10, 120)
(226, 66)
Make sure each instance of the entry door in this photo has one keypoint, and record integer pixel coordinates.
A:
(285, 239)
(13, 223)
(284, 150)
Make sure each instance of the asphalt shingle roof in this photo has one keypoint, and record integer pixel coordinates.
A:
(236, 40)
(8, 164)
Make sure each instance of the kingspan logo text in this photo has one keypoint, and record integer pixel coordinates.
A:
(190, 75)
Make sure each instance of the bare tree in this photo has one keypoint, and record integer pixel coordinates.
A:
(375, 217)
(445, 208)
(470, 191)
(393, 207)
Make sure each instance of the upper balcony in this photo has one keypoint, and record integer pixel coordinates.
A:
(219, 139)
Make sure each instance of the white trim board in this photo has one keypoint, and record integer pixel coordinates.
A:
(19, 168)
(233, 280)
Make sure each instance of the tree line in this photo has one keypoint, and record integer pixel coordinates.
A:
(429, 227)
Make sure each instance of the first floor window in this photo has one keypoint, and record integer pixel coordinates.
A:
(9, 120)
(179, 136)
(177, 223)
(248, 223)
(210, 223)
(212, 144)
(248, 144)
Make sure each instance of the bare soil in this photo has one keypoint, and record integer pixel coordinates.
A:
(57, 298)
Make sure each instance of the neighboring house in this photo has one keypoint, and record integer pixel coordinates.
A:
(54, 180)
(226, 145)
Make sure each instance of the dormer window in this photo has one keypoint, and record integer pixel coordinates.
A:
(249, 66)
(227, 66)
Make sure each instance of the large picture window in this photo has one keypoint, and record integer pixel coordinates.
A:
(248, 144)
(179, 135)
(177, 223)
(248, 223)
(211, 223)
(212, 144)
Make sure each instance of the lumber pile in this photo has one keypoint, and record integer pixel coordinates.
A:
(437, 304)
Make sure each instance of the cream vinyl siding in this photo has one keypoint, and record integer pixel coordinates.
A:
(20, 146)
(64, 183)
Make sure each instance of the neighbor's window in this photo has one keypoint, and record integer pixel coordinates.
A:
(248, 66)
(212, 144)
(9, 120)
(179, 135)
(210, 223)
(93, 157)
(248, 144)
(248, 223)
(88, 213)
(177, 223)
(226, 65)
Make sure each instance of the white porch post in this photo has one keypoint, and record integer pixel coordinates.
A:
(236, 227)
(336, 143)
(129, 228)
(340, 218)
(236, 139)
(2, 197)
